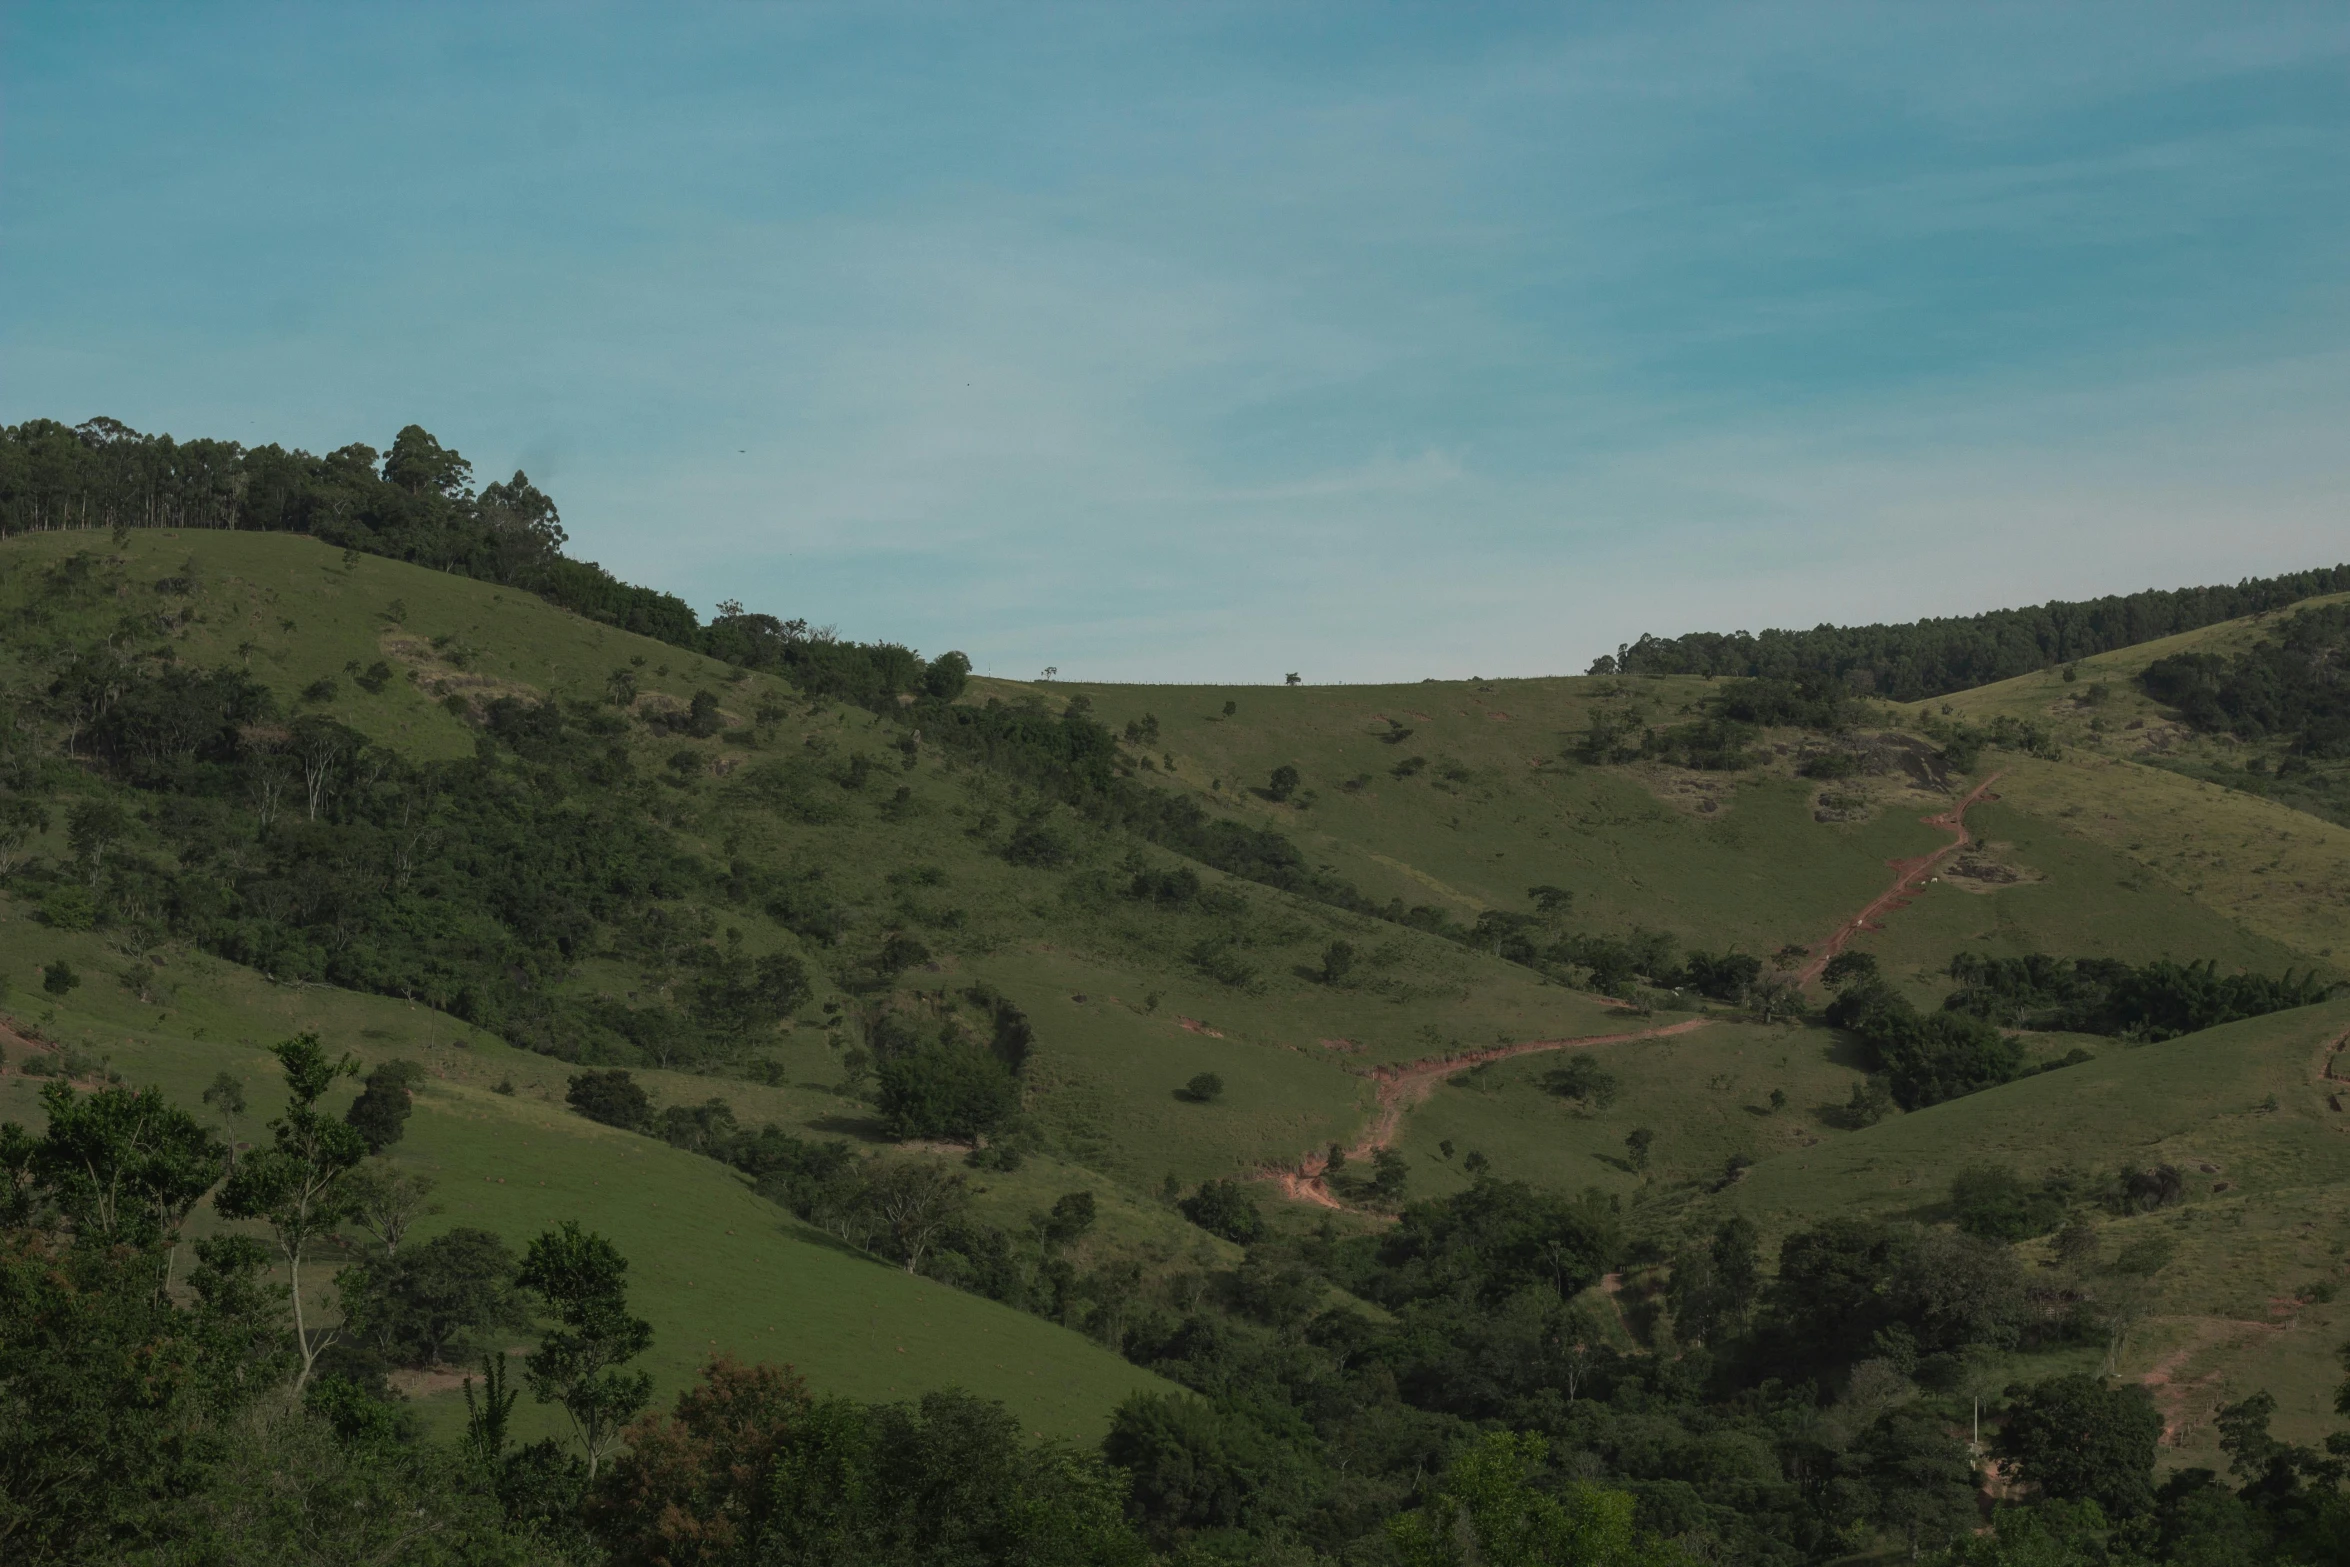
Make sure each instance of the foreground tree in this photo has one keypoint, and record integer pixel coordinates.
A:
(583, 1280)
(751, 1469)
(2077, 1439)
(297, 1185)
(1486, 1513)
(420, 1307)
(386, 1201)
(138, 1423)
(114, 1396)
(122, 1168)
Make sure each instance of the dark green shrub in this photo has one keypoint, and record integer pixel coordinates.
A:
(1225, 1208)
(614, 1098)
(946, 1089)
(1994, 1203)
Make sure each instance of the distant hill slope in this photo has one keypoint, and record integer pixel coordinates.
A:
(1927, 658)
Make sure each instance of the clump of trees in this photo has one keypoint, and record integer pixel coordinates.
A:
(1225, 1208)
(2286, 686)
(2161, 999)
(791, 1476)
(613, 1097)
(1924, 1058)
(380, 1113)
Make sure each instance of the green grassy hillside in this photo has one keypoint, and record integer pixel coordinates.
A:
(2247, 1110)
(1490, 803)
(714, 1267)
(817, 830)
(2180, 808)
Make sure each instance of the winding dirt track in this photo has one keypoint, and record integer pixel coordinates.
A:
(1905, 879)
(1401, 1087)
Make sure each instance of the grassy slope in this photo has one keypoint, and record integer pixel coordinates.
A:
(2283, 1219)
(712, 1266)
(1705, 1094)
(986, 918)
(2117, 857)
(2279, 873)
(1757, 871)
(2073, 895)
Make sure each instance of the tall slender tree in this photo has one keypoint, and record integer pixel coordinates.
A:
(583, 1280)
(299, 1186)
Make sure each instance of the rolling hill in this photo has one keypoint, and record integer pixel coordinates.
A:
(1378, 917)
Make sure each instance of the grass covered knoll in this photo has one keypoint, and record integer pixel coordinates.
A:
(2038, 880)
(2247, 1114)
(1705, 1096)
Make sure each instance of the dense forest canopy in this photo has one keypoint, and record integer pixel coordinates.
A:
(1925, 658)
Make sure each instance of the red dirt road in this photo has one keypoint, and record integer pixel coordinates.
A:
(1401, 1087)
(1905, 879)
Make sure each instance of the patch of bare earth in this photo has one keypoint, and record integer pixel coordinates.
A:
(1988, 868)
(430, 1380)
(2186, 1401)
(441, 680)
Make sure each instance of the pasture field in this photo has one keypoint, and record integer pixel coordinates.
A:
(2071, 895)
(1497, 805)
(1458, 796)
(712, 1266)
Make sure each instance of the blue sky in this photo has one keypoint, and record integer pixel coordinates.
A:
(1211, 342)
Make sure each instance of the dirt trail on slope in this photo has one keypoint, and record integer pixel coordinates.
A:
(1905, 879)
(1401, 1087)
(2183, 1401)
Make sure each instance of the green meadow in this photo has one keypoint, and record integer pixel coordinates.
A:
(1456, 796)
